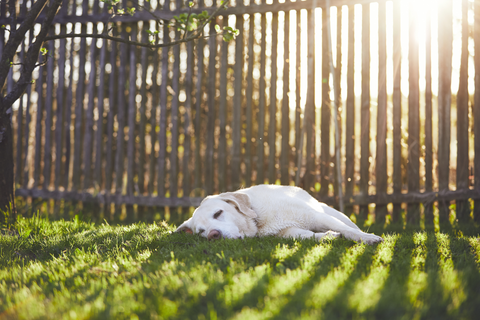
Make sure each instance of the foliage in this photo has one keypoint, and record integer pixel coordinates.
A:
(74, 269)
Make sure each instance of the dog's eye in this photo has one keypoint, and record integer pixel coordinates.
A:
(217, 214)
(200, 231)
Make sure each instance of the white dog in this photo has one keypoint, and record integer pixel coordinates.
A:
(271, 210)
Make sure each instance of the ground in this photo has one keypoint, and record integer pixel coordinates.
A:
(77, 270)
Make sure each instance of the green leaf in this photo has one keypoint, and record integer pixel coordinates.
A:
(217, 28)
(191, 4)
(44, 51)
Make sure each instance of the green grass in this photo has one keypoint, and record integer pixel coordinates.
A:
(78, 270)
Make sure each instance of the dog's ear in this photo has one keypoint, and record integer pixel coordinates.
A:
(185, 227)
(240, 201)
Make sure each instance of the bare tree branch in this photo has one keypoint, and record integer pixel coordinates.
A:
(32, 54)
(16, 38)
(122, 40)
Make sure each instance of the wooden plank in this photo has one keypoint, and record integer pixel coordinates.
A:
(112, 105)
(285, 130)
(60, 102)
(350, 113)
(338, 94)
(237, 106)
(222, 118)
(325, 157)
(463, 207)
(428, 208)
(211, 91)
(298, 110)
(99, 132)
(68, 119)
(38, 126)
(153, 122)
(20, 158)
(419, 197)
(88, 130)
(188, 130)
(143, 115)
(103, 198)
(309, 114)
(476, 110)
(79, 97)
(174, 122)
(365, 111)
(272, 124)
(413, 166)
(381, 150)
(162, 134)
(397, 109)
(132, 112)
(198, 183)
(261, 105)
(249, 103)
(47, 151)
(165, 14)
(444, 100)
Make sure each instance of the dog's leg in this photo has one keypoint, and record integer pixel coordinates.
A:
(299, 233)
(323, 222)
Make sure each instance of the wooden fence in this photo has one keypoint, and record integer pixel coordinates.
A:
(109, 123)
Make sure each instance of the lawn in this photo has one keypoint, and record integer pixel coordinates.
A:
(77, 270)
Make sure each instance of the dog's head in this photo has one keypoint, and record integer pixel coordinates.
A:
(227, 215)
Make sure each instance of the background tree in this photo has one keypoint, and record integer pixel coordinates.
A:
(43, 12)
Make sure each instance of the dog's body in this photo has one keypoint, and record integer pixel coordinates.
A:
(271, 210)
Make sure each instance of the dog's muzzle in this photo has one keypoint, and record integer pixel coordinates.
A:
(214, 235)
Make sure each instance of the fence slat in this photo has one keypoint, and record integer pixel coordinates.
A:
(79, 97)
(381, 150)
(237, 106)
(143, 115)
(261, 105)
(285, 131)
(350, 114)
(299, 136)
(20, 138)
(212, 74)
(112, 105)
(99, 133)
(38, 126)
(47, 161)
(326, 112)
(272, 125)
(187, 122)
(120, 154)
(309, 114)
(153, 123)
(249, 103)
(59, 123)
(88, 131)
(198, 183)
(397, 109)
(162, 134)
(476, 109)
(413, 166)
(68, 118)
(428, 207)
(175, 121)
(444, 100)
(131, 112)
(365, 110)
(222, 117)
(463, 207)
(338, 77)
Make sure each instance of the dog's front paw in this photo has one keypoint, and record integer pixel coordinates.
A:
(371, 239)
(333, 234)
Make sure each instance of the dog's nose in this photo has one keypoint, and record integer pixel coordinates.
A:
(214, 235)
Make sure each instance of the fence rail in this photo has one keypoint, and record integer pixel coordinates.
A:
(114, 124)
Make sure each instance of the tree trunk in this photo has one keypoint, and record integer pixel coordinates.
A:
(8, 211)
